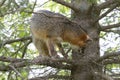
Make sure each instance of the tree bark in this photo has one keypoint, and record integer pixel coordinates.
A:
(85, 67)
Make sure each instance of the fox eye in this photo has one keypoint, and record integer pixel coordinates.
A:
(88, 40)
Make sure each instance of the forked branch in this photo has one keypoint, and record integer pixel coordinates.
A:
(107, 12)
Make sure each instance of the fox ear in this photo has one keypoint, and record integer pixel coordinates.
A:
(89, 39)
(85, 38)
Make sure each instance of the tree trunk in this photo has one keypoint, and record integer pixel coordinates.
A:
(85, 67)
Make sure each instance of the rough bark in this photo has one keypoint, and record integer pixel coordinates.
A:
(85, 67)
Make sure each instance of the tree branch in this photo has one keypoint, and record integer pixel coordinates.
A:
(1, 4)
(69, 5)
(107, 12)
(18, 63)
(106, 56)
(52, 76)
(11, 60)
(110, 26)
(103, 76)
(16, 40)
(113, 61)
(106, 4)
(117, 78)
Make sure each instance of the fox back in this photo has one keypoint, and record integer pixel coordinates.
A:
(48, 25)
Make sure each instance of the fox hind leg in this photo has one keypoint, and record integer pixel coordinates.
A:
(41, 47)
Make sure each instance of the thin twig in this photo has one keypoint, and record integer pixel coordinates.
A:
(16, 71)
(1, 4)
(15, 40)
(34, 5)
(25, 48)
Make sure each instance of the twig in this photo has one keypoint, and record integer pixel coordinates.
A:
(44, 3)
(68, 50)
(1, 4)
(25, 48)
(34, 5)
(15, 40)
(16, 71)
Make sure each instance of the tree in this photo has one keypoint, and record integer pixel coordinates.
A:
(99, 19)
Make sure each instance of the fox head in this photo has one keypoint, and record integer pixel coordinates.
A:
(83, 39)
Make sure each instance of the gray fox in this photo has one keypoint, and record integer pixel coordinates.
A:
(49, 29)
